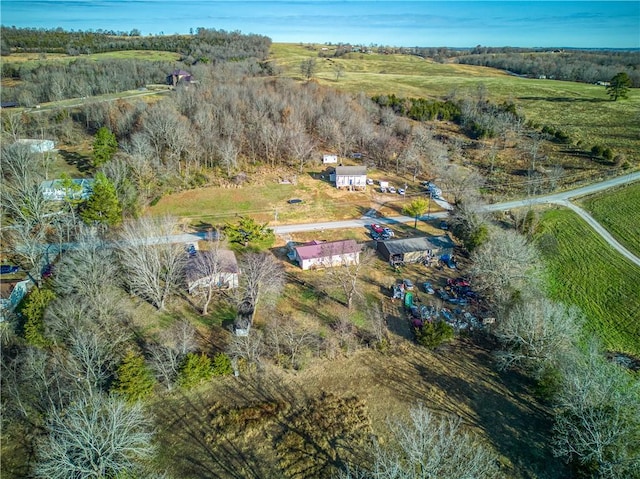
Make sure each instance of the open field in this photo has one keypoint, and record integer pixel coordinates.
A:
(33, 59)
(583, 270)
(236, 428)
(581, 110)
(618, 211)
(267, 197)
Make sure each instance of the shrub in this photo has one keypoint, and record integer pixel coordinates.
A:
(432, 335)
(222, 365)
(196, 369)
(135, 380)
(597, 150)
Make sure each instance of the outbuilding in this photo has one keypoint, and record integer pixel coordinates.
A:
(414, 250)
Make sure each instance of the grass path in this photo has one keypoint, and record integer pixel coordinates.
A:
(585, 271)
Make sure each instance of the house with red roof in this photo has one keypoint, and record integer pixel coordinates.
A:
(321, 254)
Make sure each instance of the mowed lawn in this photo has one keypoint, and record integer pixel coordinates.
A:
(585, 271)
(581, 110)
(619, 212)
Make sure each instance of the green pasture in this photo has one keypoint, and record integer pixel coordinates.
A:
(581, 110)
(619, 213)
(585, 271)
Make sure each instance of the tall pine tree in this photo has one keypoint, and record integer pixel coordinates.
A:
(103, 205)
(104, 146)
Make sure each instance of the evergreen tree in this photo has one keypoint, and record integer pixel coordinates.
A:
(248, 230)
(135, 380)
(196, 369)
(103, 205)
(222, 365)
(33, 309)
(619, 86)
(104, 146)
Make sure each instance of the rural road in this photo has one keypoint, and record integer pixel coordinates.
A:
(564, 199)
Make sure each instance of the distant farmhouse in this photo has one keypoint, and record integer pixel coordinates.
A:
(54, 190)
(179, 76)
(328, 159)
(414, 250)
(226, 278)
(318, 254)
(351, 177)
(37, 146)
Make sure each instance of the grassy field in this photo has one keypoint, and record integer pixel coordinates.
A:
(618, 211)
(34, 59)
(265, 199)
(585, 271)
(581, 110)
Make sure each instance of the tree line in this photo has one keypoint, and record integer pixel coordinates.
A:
(207, 45)
(580, 66)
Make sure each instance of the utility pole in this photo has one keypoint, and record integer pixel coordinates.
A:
(275, 215)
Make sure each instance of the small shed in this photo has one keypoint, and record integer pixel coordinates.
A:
(317, 254)
(198, 271)
(351, 177)
(414, 250)
(328, 159)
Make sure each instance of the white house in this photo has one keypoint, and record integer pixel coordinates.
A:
(53, 190)
(327, 159)
(317, 254)
(197, 270)
(351, 177)
(37, 146)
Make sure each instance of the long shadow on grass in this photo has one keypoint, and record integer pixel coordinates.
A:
(462, 381)
(190, 450)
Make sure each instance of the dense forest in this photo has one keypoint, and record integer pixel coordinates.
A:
(581, 66)
(204, 45)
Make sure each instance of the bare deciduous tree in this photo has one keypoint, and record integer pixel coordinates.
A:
(250, 348)
(598, 417)
(262, 276)
(346, 274)
(505, 266)
(209, 264)
(536, 333)
(428, 447)
(152, 263)
(166, 355)
(94, 437)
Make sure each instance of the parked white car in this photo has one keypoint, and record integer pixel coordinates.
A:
(392, 189)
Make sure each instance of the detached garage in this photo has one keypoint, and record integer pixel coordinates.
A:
(414, 250)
